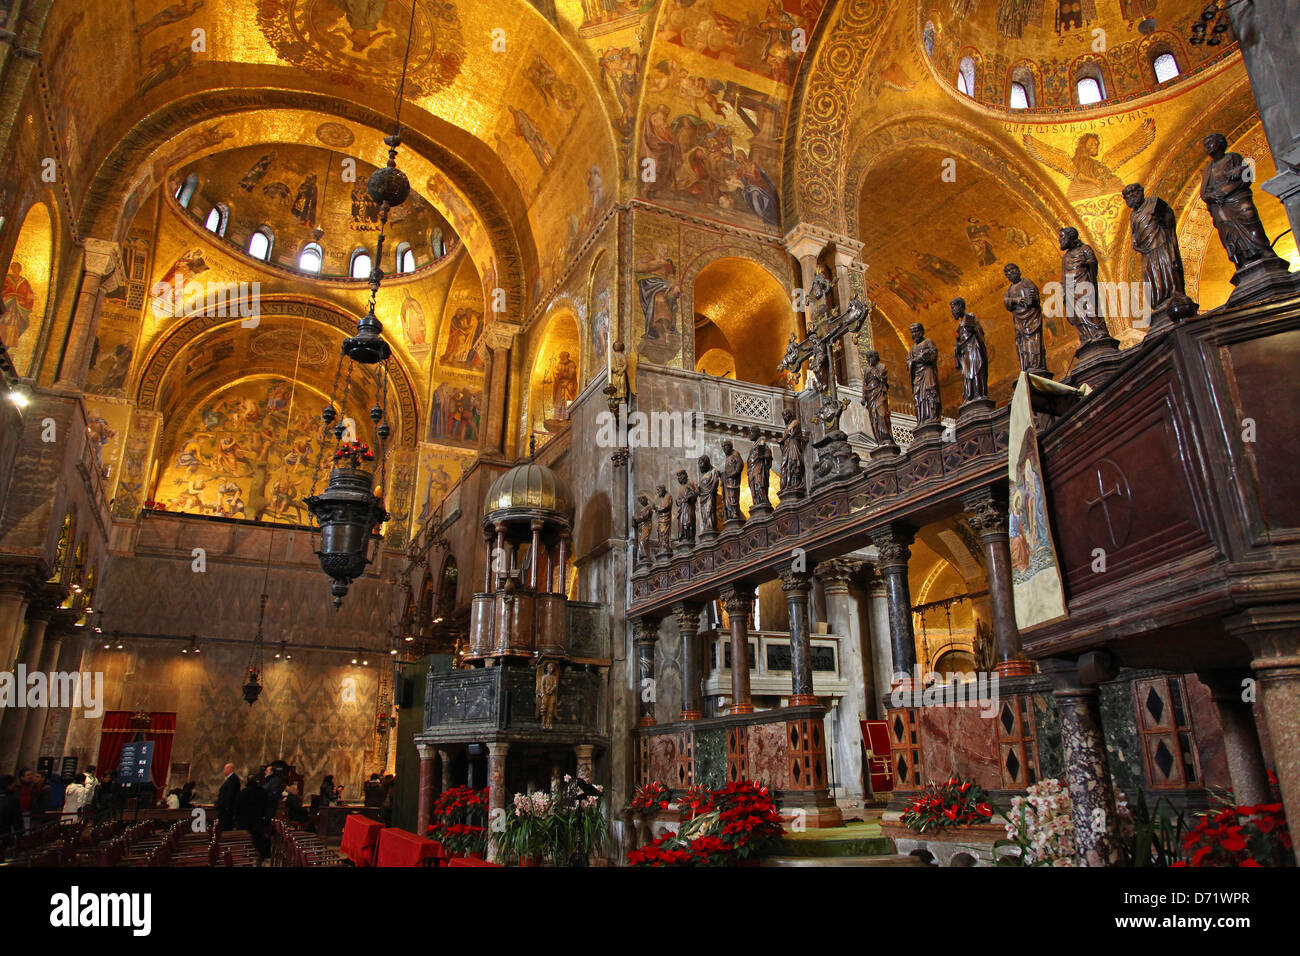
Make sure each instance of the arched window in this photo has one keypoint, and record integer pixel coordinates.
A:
(361, 264)
(1088, 86)
(259, 244)
(1166, 67)
(311, 258)
(185, 192)
(405, 258)
(218, 217)
(1021, 95)
(966, 76)
(928, 38)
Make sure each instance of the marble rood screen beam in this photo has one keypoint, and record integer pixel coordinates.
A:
(926, 484)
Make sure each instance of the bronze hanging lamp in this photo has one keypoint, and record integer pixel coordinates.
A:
(350, 508)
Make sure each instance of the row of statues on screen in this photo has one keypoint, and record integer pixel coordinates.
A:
(1226, 192)
(697, 503)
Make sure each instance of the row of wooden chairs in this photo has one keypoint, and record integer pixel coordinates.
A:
(290, 847)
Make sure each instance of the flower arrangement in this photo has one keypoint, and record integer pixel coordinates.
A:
(1240, 836)
(354, 452)
(1039, 825)
(155, 506)
(955, 803)
(719, 828)
(567, 824)
(649, 799)
(460, 821)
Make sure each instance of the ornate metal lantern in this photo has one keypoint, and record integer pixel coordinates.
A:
(347, 513)
(349, 510)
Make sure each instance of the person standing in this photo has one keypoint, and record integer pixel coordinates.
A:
(250, 813)
(75, 797)
(226, 797)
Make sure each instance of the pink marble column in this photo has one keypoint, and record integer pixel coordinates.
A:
(424, 811)
(1241, 744)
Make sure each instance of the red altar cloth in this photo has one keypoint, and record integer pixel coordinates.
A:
(360, 839)
(399, 848)
(469, 861)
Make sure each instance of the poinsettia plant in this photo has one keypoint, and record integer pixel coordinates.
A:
(650, 799)
(460, 820)
(354, 452)
(1240, 836)
(719, 828)
(955, 803)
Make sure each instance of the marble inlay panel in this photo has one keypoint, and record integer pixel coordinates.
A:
(958, 742)
(767, 755)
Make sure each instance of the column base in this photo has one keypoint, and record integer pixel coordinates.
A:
(742, 708)
(691, 715)
(815, 808)
(803, 700)
(646, 722)
(1015, 668)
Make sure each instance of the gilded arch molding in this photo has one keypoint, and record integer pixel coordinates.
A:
(501, 209)
(160, 360)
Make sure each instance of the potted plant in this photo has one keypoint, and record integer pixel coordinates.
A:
(733, 826)
(955, 803)
(527, 833)
(460, 822)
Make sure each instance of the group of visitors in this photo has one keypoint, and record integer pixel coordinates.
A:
(29, 796)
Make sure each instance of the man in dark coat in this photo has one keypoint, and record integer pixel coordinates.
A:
(226, 796)
(250, 813)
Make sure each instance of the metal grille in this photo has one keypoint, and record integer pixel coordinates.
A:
(751, 406)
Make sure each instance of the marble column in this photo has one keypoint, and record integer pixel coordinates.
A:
(101, 272)
(894, 543)
(17, 587)
(1241, 744)
(562, 564)
(13, 721)
(843, 610)
(987, 512)
(496, 791)
(647, 635)
(1273, 636)
(849, 269)
(445, 757)
(586, 755)
(1087, 770)
(535, 553)
(796, 585)
(500, 352)
(688, 627)
(738, 599)
(805, 245)
(34, 730)
(424, 807)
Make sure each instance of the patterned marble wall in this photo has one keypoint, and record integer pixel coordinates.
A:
(317, 712)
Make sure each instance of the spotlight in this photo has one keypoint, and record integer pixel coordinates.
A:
(20, 397)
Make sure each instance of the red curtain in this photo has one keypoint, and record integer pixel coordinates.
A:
(118, 730)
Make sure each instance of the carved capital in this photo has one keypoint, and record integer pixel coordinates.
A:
(987, 514)
(646, 629)
(737, 598)
(426, 751)
(894, 543)
(103, 259)
(688, 616)
(501, 335)
(838, 573)
(795, 584)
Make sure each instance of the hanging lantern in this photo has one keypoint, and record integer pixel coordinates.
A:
(252, 687)
(346, 512)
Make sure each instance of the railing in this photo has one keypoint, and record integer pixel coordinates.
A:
(770, 661)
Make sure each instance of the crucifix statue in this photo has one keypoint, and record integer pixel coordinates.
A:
(836, 457)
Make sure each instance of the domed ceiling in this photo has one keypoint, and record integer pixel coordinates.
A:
(1051, 38)
(294, 191)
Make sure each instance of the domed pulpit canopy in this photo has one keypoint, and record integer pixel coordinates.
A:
(526, 492)
(527, 517)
